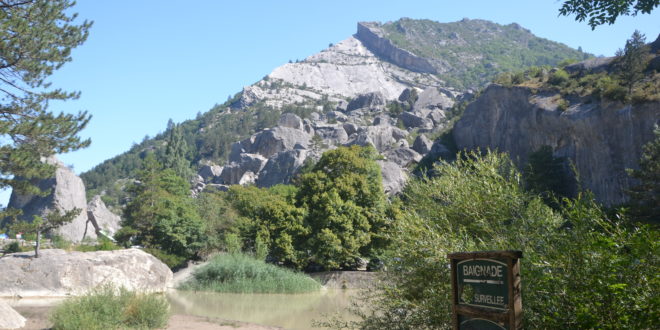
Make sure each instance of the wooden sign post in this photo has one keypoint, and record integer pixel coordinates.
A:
(486, 290)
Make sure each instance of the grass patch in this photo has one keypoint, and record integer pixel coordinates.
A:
(109, 308)
(239, 273)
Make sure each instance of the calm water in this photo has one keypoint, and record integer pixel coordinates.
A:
(290, 311)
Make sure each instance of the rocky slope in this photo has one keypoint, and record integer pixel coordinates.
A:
(372, 88)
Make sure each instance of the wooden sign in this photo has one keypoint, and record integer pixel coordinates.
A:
(486, 290)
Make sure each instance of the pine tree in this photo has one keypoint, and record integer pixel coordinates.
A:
(632, 60)
(645, 197)
(41, 225)
(36, 38)
(176, 152)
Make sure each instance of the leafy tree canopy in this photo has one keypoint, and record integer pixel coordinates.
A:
(600, 12)
(645, 197)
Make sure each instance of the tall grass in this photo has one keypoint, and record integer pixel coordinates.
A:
(239, 273)
(108, 308)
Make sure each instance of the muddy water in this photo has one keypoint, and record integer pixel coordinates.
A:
(290, 311)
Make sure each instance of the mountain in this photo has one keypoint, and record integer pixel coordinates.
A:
(395, 86)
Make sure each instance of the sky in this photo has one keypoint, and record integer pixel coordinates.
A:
(149, 61)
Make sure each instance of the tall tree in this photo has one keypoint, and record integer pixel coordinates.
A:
(605, 11)
(632, 60)
(36, 38)
(41, 225)
(645, 197)
(176, 152)
(161, 213)
(346, 206)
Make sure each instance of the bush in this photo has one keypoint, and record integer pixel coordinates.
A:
(581, 270)
(239, 273)
(13, 247)
(109, 308)
(171, 260)
(558, 77)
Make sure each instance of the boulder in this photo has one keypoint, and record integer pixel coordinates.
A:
(281, 167)
(290, 120)
(434, 98)
(381, 137)
(422, 144)
(382, 120)
(394, 177)
(9, 318)
(248, 178)
(58, 273)
(271, 141)
(231, 174)
(103, 220)
(368, 100)
(403, 156)
(415, 120)
(209, 172)
(252, 162)
(336, 116)
(437, 117)
(333, 134)
(350, 128)
(67, 192)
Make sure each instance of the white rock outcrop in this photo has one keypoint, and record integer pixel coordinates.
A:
(9, 318)
(58, 273)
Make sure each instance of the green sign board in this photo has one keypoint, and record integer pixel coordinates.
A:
(483, 283)
(469, 323)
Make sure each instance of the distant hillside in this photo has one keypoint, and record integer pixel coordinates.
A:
(469, 53)
(405, 74)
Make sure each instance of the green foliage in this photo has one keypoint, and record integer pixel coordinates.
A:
(476, 60)
(161, 214)
(558, 77)
(605, 11)
(632, 60)
(12, 247)
(105, 308)
(547, 175)
(36, 39)
(176, 155)
(645, 197)
(45, 224)
(269, 217)
(104, 244)
(172, 261)
(581, 270)
(239, 273)
(346, 206)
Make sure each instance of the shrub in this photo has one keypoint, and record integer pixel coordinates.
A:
(615, 92)
(109, 308)
(581, 270)
(13, 247)
(171, 260)
(241, 273)
(558, 77)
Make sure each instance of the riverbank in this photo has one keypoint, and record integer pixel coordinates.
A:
(37, 319)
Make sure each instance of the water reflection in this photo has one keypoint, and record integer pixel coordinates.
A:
(291, 311)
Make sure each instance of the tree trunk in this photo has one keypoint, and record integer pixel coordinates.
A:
(36, 246)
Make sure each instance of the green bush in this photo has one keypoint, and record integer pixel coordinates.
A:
(171, 260)
(13, 247)
(581, 270)
(241, 273)
(109, 308)
(615, 92)
(558, 77)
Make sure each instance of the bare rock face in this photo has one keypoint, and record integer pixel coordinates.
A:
(403, 156)
(58, 273)
(416, 120)
(209, 172)
(9, 318)
(602, 139)
(67, 192)
(281, 167)
(422, 144)
(290, 120)
(371, 36)
(394, 177)
(104, 220)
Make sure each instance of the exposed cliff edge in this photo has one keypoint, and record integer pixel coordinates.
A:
(372, 36)
(602, 138)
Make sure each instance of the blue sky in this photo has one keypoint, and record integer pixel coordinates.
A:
(148, 61)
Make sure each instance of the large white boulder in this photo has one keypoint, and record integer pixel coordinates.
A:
(58, 273)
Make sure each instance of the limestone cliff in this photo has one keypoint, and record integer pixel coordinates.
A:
(601, 138)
